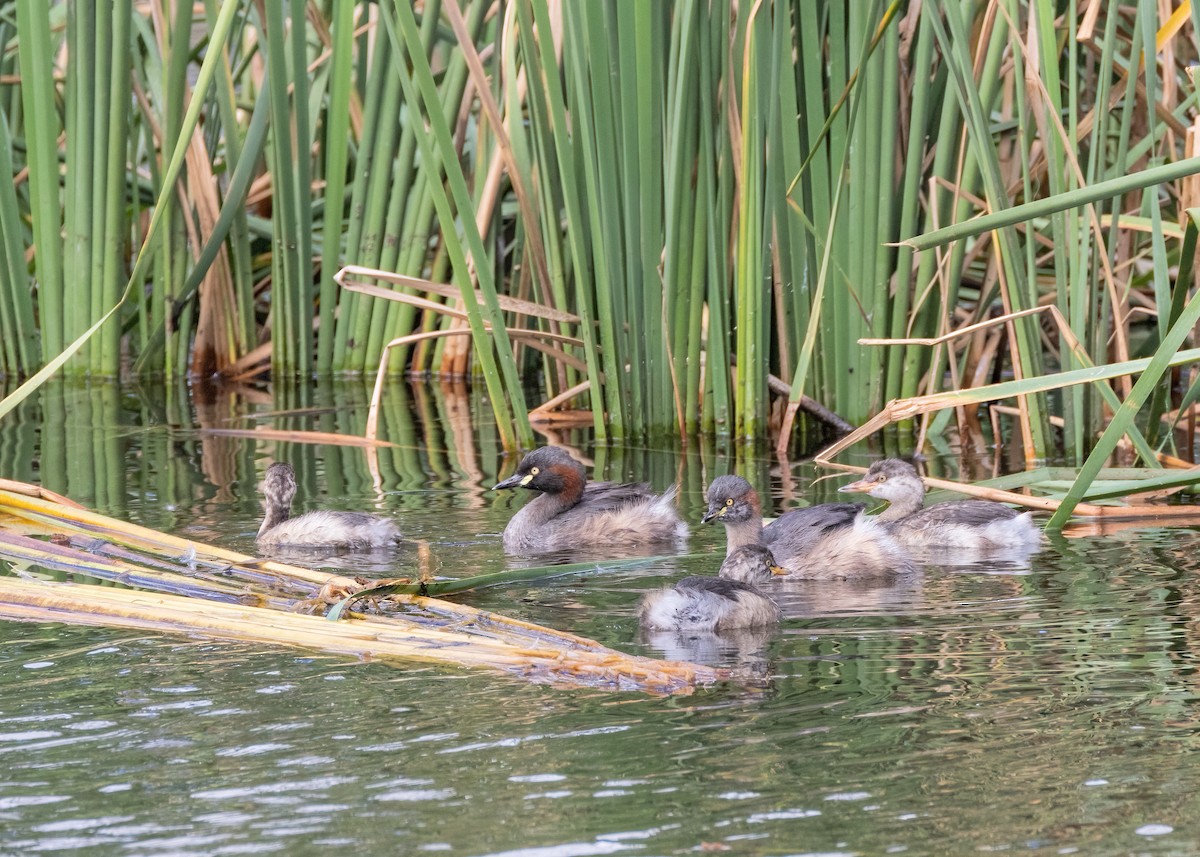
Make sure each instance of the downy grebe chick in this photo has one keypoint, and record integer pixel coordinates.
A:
(341, 530)
(572, 512)
(717, 603)
(830, 541)
(978, 524)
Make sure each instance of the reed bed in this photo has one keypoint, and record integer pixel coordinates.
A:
(677, 217)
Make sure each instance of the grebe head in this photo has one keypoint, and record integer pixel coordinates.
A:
(892, 480)
(548, 469)
(278, 491)
(751, 564)
(731, 500)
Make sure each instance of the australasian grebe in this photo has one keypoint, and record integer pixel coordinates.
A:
(732, 600)
(341, 530)
(977, 524)
(572, 512)
(830, 541)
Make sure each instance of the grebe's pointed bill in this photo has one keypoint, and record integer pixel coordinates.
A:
(517, 480)
(779, 572)
(862, 486)
(713, 513)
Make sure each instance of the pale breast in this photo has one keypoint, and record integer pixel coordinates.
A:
(344, 530)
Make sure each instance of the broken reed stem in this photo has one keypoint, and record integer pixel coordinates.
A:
(442, 632)
(370, 640)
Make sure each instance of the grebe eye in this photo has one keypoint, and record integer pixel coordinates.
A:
(729, 502)
(533, 471)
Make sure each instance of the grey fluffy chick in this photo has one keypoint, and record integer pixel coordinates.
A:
(339, 530)
(974, 524)
(732, 600)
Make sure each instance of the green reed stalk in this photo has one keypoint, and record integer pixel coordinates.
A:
(145, 254)
(794, 240)
(877, 303)
(173, 249)
(444, 157)
(717, 158)
(540, 60)
(635, 132)
(78, 203)
(41, 137)
(301, 92)
(337, 144)
(682, 275)
(559, 156)
(841, 307)
(750, 276)
(922, 108)
(595, 146)
(110, 229)
(19, 350)
(290, 132)
(380, 85)
(407, 225)
(535, 163)
(812, 196)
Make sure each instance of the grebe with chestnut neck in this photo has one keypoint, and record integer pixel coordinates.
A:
(570, 512)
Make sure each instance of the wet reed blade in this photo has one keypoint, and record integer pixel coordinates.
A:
(443, 632)
(22, 550)
(166, 562)
(465, 584)
(52, 518)
(374, 640)
(1028, 211)
(907, 409)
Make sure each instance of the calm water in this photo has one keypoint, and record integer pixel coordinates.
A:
(1046, 708)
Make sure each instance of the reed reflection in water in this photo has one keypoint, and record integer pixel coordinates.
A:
(1048, 708)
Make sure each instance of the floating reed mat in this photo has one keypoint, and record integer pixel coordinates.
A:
(205, 591)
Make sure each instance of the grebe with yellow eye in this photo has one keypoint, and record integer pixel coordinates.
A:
(571, 512)
(830, 541)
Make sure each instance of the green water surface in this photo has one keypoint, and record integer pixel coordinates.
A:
(1045, 707)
